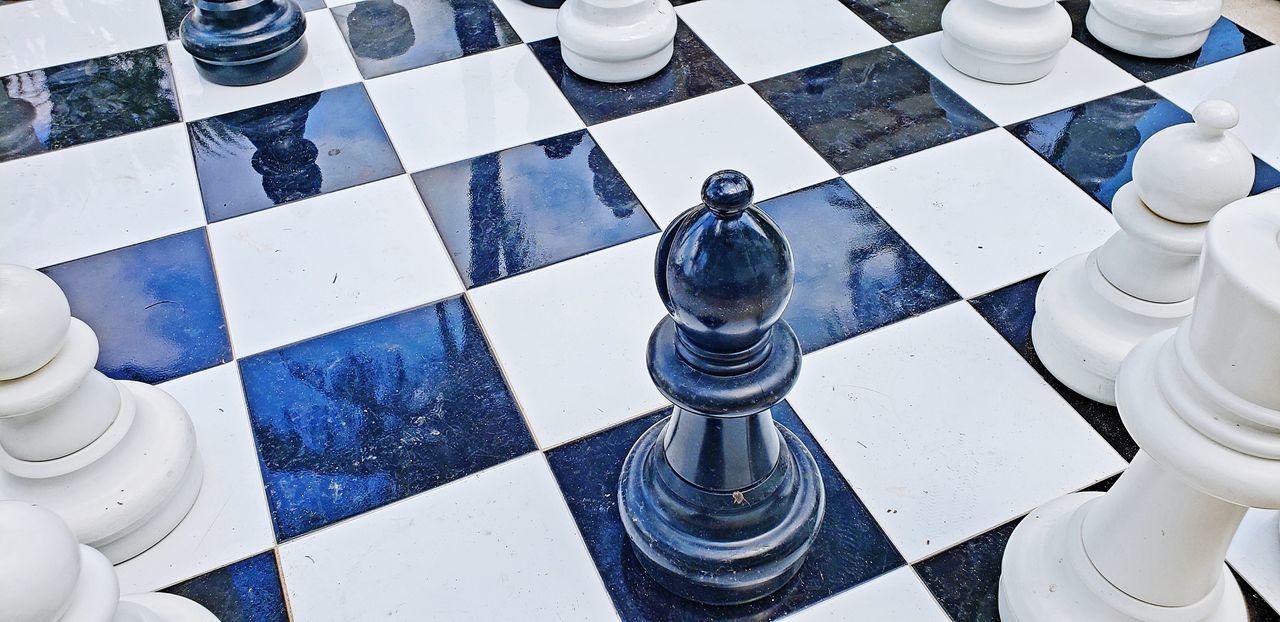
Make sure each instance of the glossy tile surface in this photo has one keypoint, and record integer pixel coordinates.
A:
(965, 578)
(387, 36)
(853, 272)
(530, 206)
(85, 101)
(694, 70)
(43, 33)
(253, 159)
(897, 595)
(356, 419)
(248, 591)
(871, 107)
(154, 307)
(530, 22)
(898, 20)
(849, 549)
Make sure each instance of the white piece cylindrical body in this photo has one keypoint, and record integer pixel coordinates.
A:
(1004, 41)
(1153, 28)
(1150, 258)
(616, 40)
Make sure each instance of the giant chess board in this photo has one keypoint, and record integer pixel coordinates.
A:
(405, 290)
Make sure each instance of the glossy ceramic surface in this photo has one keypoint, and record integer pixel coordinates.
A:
(247, 590)
(899, 21)
(387, 36)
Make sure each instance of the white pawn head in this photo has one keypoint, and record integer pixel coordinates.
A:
(1187, 172)
(39, 563)
(34, 318)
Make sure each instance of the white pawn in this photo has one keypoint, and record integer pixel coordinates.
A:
(116, 460)
(1092, 309)
(616, 40)
(46, 576)
(1203, 403)
(1004, 41)
(1153, 28)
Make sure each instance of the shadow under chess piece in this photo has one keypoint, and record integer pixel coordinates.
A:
(616, 40)
(1004, 41)
(720, 503)
(285, 158)
(46, 576)
(380, 29)
(1153, 28)
(546, 4)
(115, 459)
(242, 42)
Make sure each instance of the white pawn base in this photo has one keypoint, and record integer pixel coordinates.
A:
(160, 607)
(1047, 575)
(617, 71)
(1004, 41)
(1084, 326)
(1153, 29)
(616, 40)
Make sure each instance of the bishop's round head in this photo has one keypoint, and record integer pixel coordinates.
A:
(34, 318)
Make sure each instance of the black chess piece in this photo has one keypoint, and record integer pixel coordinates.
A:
(242, 42)
(546, 4)
(720, 503)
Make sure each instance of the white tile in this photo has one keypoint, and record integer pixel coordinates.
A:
(944, 431)
(1255, 553)
(324, 263)
(1248, 81)
(898, 595)
(984, 211)
(571, 338)
(42, 33)
(230, 520)
(499, 545)
(665, 154)
(450, 111)
(532, 23)
(75, 202)
(1080, 76)
(759, 39)
(328, 64)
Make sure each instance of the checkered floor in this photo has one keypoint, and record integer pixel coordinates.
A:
(405, 290)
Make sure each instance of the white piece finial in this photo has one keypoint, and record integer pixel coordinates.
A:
(34, 318)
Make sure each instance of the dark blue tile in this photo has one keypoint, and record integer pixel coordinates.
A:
(1264, 177)
(84, 101)
(854, 273)
(1226, 39)
(356, 419)
(966, 578)
(870, 108)
(154, 306)
(530, 206)
(246, 591)
(850, 548)
(1259, 610)
(172, 12)
(897, 20)
(1010, 310)
(694, 70)
(253, 159)
(387, 36)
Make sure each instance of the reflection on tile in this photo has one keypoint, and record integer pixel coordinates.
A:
(853, 272)
(154, 306)
(530, 206)
(694, 70)
(253, 159)
(1009, 310)
(387, 36)
(898, 20)
(1226, 39)
(869, 108)
(81, 102)
(356, 419)
(40, 34)
(247, 591)
(965, 578)
(174, 10)
(850, 548)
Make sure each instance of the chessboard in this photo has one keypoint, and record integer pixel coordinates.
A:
(404, 291)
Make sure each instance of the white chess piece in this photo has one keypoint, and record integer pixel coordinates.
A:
(1203, 403)
(616, 40)
(1153, 28)
(1092, 309)
(116, 460)
(47, 576)
(1004, 41)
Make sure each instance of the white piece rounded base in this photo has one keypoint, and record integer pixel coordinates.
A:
(1084, 326)
(1046, 575)
(617, 70)
(977, 64)
(1144, 43)
(161, 607)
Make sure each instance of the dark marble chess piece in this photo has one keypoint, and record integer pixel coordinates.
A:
(242, 42)
(720, 503)
(546, 4)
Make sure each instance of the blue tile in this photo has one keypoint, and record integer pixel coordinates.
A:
(356, 419)
(257, 158)
(870, 108)
(246, 591)
(387, 36)
(850, 547)
(172, 12)
(530, 206)
(897, 20)
(694, 70)
(1259, 610)
(84, 101)
(154, 306)
(1226, 39)
(1264, 177)
(965, 578)
(854, 273)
